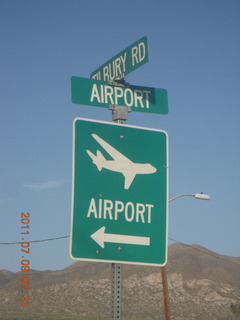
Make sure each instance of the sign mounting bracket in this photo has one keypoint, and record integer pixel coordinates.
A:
(119, 113)
(119, 81)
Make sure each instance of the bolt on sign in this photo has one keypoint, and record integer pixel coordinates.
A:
(101, 94)
(124, 62)
(119, 195)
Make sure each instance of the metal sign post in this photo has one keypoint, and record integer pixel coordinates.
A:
(116, 291)
(119, 115)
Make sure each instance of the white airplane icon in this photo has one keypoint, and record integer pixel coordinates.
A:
(120, 163)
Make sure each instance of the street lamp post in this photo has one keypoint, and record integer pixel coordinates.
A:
(166, 300)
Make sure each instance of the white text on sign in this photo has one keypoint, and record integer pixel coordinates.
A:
(120, 96)
(118, 66)
(113, 210)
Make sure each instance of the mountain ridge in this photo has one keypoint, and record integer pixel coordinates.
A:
(202, 286)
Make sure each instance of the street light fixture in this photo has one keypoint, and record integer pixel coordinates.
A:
(199, 196)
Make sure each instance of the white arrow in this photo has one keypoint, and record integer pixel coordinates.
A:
(101, 237)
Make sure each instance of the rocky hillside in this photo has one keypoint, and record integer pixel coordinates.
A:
(202, 286)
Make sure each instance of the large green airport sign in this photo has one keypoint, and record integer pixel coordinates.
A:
(124, 62)
(101, 94)
(120, 193)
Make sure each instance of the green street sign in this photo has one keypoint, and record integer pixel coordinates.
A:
(120, 193)
(101, 94)
(124, 62)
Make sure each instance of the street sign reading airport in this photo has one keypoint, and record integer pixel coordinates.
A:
(101, 94)
(123, 63)
(120, 192)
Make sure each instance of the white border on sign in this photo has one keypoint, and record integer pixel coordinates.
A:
(72, 198)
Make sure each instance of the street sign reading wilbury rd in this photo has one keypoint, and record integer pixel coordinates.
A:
(101, 94)
(123, 63)
(120, 192)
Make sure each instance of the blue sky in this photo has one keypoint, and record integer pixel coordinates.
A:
(194, 50)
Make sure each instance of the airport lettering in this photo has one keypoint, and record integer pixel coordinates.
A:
(120, 96)
(113, 210)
